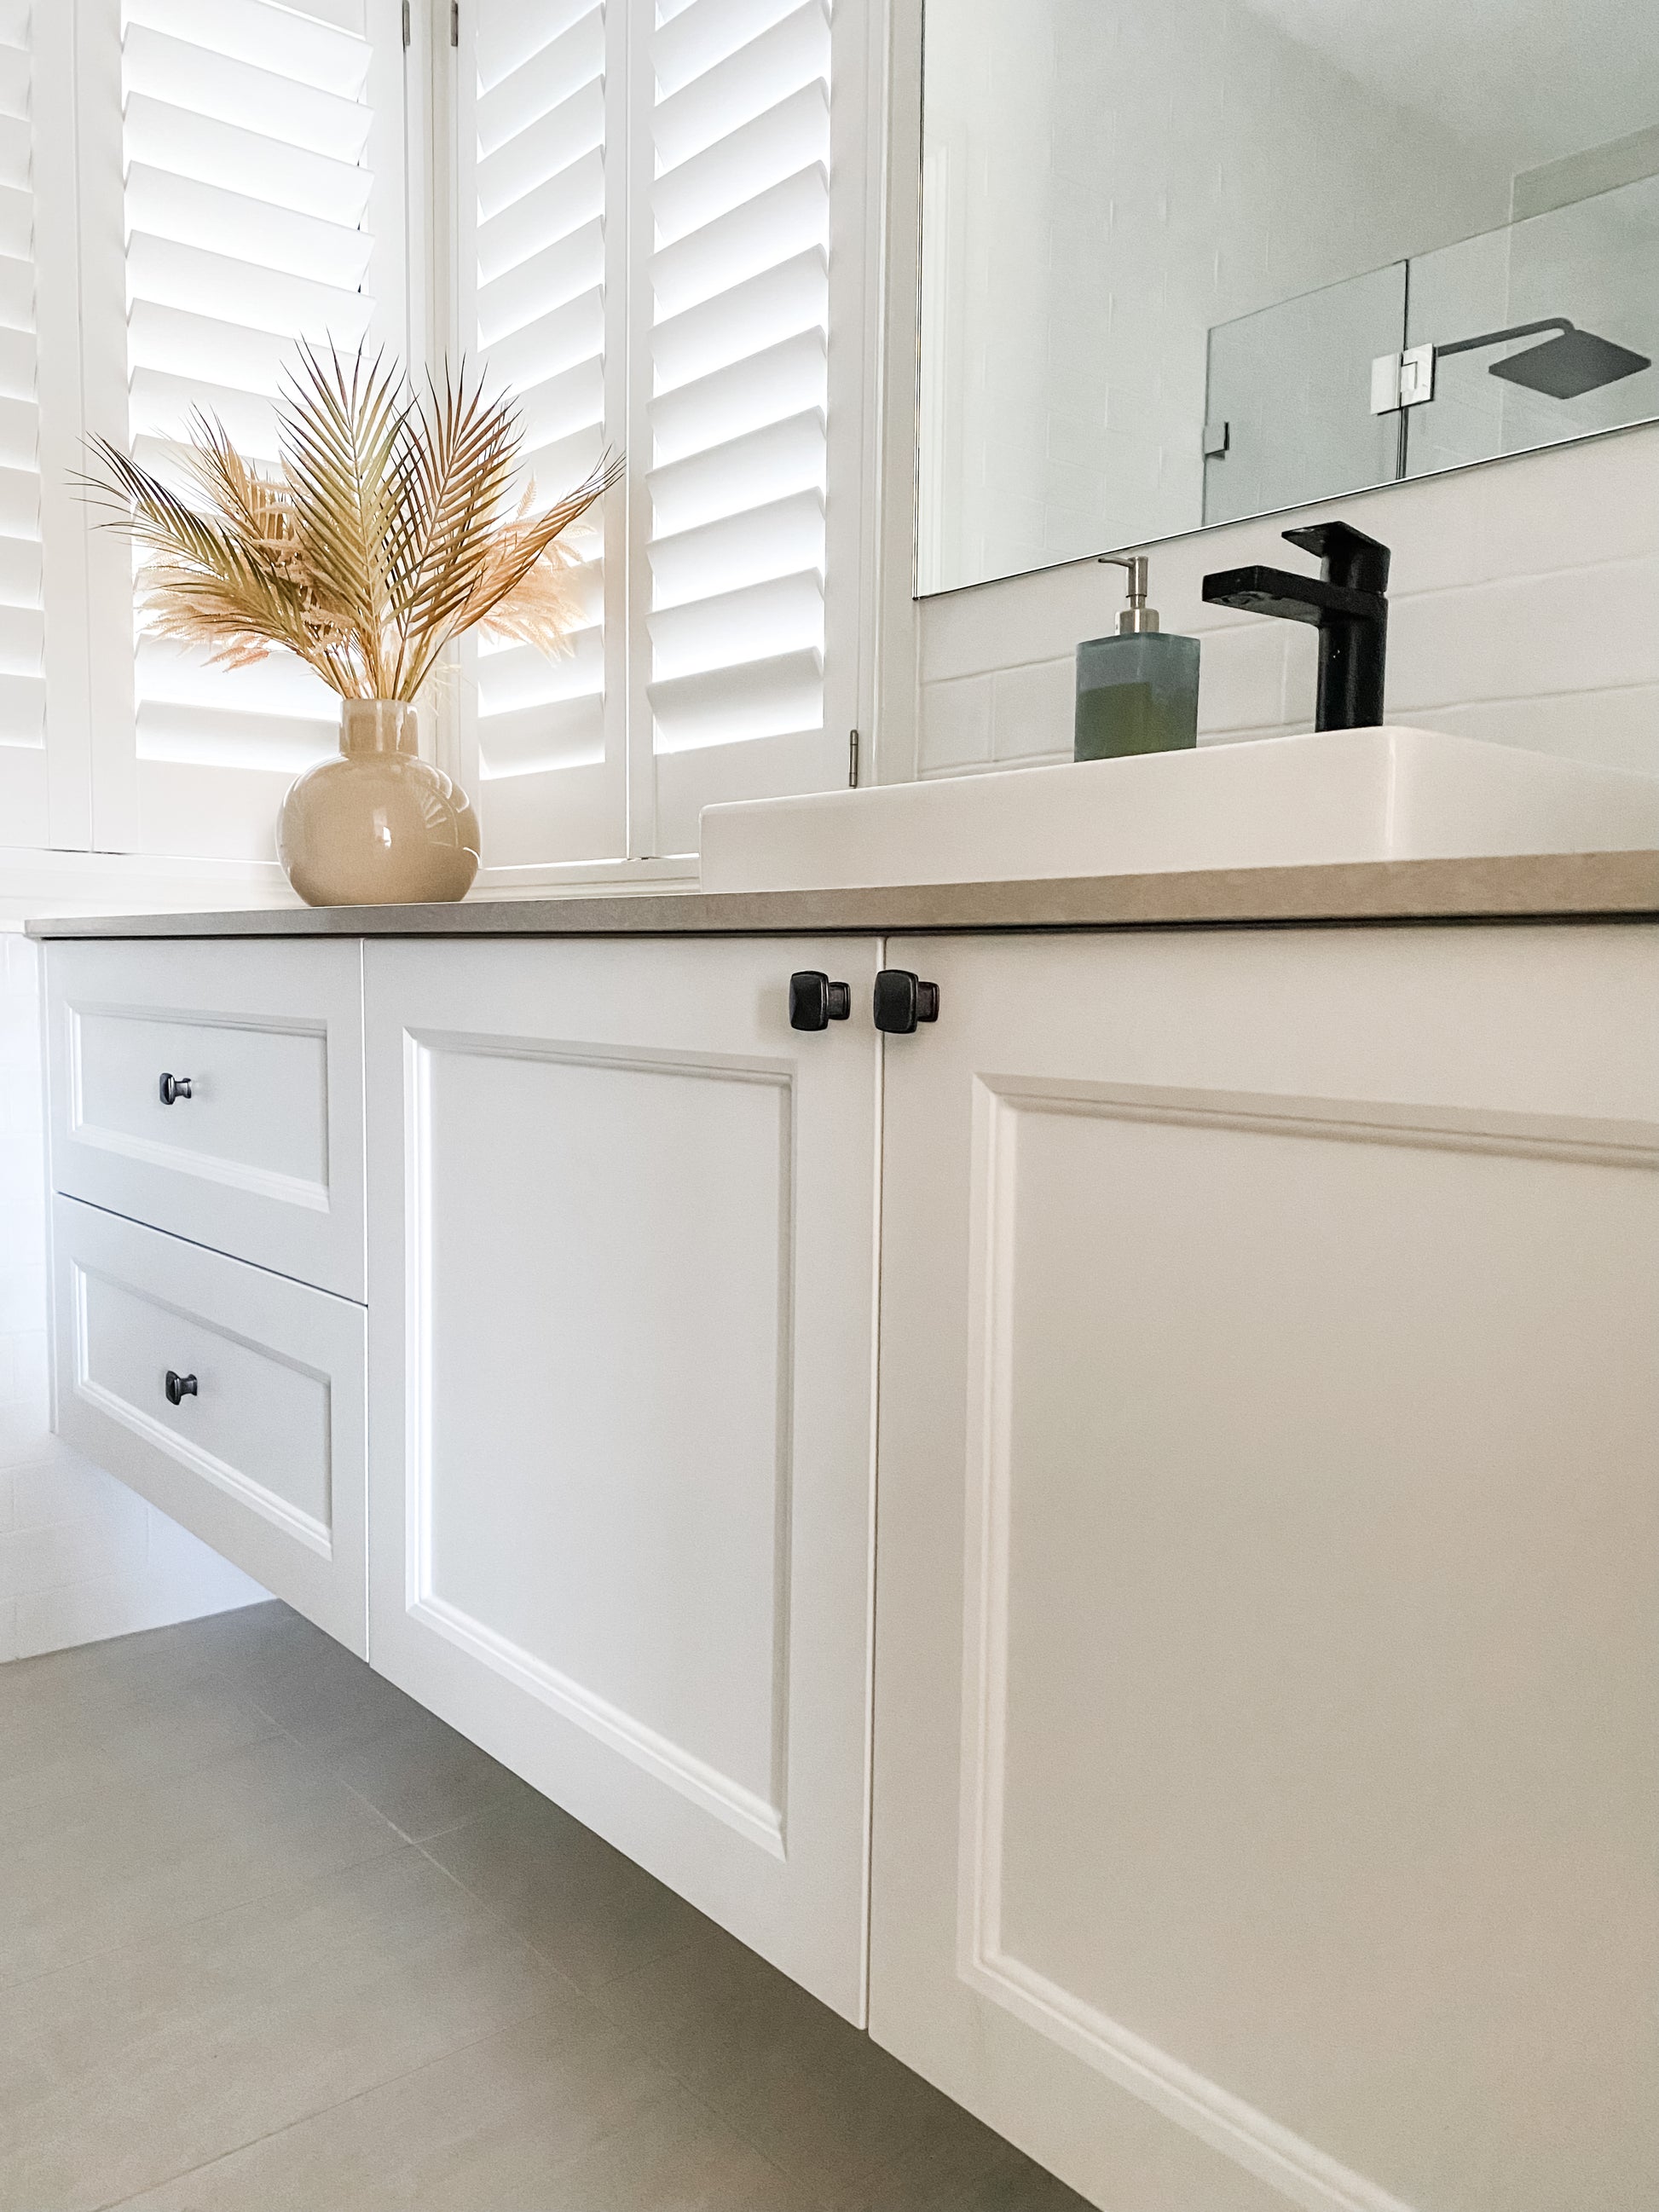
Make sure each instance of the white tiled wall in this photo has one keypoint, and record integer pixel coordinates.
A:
(1525, 610)
(82, 1557)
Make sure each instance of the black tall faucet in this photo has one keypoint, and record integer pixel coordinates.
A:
(1348, 603)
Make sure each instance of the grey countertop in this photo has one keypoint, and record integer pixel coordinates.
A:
(1517, 887)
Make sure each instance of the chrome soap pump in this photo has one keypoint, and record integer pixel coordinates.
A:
(1136, 692)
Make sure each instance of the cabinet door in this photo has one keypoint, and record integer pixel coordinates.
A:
(622, 1285)
(1268, 1604)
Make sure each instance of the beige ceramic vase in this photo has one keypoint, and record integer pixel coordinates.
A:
(378, 826)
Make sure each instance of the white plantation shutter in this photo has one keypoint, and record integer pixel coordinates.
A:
(44, 790)
(661, 251)
(23, 676)
(744, 697)
(546, 756)
(259, 203)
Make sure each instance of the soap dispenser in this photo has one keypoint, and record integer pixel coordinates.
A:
(1136, 692)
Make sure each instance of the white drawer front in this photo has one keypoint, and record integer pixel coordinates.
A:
(215, 1090)
(231, 1398)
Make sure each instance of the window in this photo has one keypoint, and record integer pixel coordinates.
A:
(647, 217)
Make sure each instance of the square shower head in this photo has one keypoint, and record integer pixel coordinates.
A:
(1567, 366)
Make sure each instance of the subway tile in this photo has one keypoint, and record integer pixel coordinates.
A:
(1033, 710)
(35, 1560)
(67, 1488)
(25, 1439)
(21, 1113)
(1571, 507)
(22, 1290)
(22, 1170)
(29, 1356)
(1242, 678)
(954, 724)
(1588, 510)
(1610, 729)
(1587, 630)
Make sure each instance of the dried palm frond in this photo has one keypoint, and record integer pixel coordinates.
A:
(384, 533)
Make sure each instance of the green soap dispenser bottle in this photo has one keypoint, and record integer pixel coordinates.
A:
(1136, 692)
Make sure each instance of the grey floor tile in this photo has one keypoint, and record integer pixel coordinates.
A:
(150, 2061)
(108, 1715)
(419, 1773)
(247, 1643)
(323, 1695)
(957, 2165)
(558, 2111)
(679, 2158)
(422, 1776)
(840, 2116)
(89, 1868)
(591, 1913)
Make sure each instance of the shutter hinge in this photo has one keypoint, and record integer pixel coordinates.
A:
(455, 22)
(852, 760)
(406, 29)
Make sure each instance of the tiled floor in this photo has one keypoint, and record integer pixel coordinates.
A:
(272, 1938)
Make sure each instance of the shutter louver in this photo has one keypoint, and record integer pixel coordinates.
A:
(22, 679)
(248, 134)
(539, 322)
(738, 431)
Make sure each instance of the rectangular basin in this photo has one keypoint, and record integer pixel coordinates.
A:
(1379, 794)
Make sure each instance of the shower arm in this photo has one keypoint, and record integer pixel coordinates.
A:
(1558, 324)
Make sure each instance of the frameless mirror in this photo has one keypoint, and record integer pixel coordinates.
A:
(1185, 261)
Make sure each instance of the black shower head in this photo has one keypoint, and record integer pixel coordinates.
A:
(1567, 366)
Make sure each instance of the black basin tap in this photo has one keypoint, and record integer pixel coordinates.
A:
(1346, 602)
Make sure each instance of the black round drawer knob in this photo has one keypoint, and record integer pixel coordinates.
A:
(174, 1088)
(815, 1001)
(902, 1000)
(180, 1386)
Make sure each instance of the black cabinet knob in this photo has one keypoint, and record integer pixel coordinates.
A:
(902, 1000)
(174, 1088)
(815, 1001)
(180, 1386)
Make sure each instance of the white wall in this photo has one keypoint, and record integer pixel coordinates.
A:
(81, 1556)
(1525, 610)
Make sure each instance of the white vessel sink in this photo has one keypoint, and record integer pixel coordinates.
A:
(1381, 794)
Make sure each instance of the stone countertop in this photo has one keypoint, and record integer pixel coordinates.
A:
(1546, 886)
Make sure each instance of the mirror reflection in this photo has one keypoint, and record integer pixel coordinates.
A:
(1189, 262)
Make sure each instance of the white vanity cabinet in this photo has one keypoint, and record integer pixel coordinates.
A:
(1228, 1737)
(622, 1230)
(1268, 1593)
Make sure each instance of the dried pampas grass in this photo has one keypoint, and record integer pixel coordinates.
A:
(385, 532)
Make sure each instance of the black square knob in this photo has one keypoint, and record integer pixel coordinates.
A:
(815, 1001)
(902, 1000)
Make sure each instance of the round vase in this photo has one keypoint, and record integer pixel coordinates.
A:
(378, 826)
